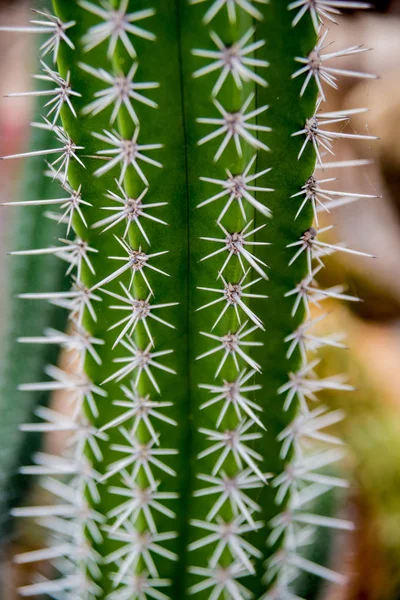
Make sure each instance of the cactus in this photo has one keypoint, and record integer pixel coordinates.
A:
(191, 142)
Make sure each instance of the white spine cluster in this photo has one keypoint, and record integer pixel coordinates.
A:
(307, 448)
(236, 469)
(70, 482)
(232, 7)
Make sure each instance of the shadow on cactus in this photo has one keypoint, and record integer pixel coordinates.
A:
(191, 140)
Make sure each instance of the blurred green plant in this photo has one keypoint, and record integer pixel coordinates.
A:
(31, 227)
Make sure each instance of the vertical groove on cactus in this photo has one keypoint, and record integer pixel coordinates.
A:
(192, 150)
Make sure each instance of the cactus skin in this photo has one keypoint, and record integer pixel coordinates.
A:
(186, 560)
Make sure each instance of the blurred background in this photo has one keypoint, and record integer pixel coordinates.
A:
(371, 555)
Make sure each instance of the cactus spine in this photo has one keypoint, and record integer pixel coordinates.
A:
(192, 158)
